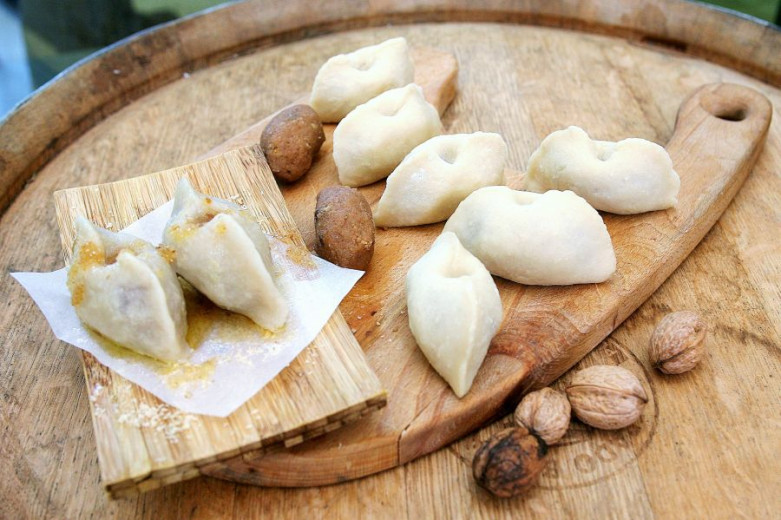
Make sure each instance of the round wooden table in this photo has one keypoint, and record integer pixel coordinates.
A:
(711, 447)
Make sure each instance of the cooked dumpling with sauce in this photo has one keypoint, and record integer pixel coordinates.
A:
(554, 238)
(348, 80)
(374, 138)
(124, 289)
(627, 177)
(454, 310)
(437, 175)
(225, 255)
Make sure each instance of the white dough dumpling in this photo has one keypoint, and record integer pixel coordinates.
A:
(437, 175)
(454, 310)
(348, 80)
(374, 138)
(225, 255)
(627, 177)
(124, 289)
(554, 238)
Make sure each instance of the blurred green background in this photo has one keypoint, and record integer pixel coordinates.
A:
(59, 33)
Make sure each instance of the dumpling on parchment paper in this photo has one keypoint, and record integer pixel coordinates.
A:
(123, 288)
(224, 254)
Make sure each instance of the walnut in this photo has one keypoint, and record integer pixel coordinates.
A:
(606, 397)
(545, 412)
(508, 463)
(678, 343)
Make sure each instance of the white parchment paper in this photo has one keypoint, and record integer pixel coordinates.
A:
(226, 369)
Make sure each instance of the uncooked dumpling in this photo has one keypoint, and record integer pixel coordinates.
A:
(225, 255)
(438, 174)
(554, 238)
(630, 176)
(121, 287)
(347, 80)
(454, 310)
(374, 138)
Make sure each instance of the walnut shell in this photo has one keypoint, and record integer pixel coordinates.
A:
(606, 397)
(678, 342)
(545, 412)
(508, 463)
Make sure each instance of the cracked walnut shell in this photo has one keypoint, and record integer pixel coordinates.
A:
(606, 397)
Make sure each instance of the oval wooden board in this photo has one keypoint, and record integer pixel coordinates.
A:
(707, 445)
(719, 132)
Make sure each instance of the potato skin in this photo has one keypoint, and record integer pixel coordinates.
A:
(344, 227)
(291, 141)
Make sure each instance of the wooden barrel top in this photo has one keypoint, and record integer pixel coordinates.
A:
(710, 447)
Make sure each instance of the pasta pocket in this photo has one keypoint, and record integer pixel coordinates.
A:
(554, 238)
(124, 289)
(454, 310)
(374, 138)
(437, 175)
(627, 177)
(348, 80)
(225, 255)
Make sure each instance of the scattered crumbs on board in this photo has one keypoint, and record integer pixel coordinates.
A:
(161, 418)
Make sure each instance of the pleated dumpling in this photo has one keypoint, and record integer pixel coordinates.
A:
(123, 288)
(437, 175)
(374, 138)
(627, 177)
(225, 255)
(554, 238)
(454, 310)
(348, 80)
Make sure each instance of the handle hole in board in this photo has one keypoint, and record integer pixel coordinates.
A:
(733, 114)
(725, 108)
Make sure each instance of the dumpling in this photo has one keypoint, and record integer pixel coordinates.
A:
(438, 174)
(225, 255)
(454, 310)
(554, 238)
(348, 80)
(373, 139)
(630, 176)
(121, 287)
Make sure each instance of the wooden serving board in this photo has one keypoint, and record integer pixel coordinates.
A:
(143, 443)
(707, 445)
(719, 132)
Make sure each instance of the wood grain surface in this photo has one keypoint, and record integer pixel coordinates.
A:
(719, 132)
(708, 443)
(142, 443)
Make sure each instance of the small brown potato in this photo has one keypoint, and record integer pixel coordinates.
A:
(291, 141)
(344, 227)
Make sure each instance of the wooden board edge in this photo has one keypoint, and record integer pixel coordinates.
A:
(215, 467)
